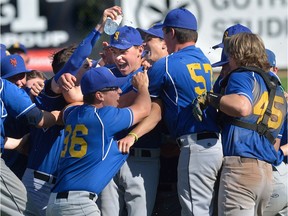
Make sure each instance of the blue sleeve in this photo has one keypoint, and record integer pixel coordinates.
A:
(242, 84)
(67, 111)
(156, 77)
(16, 101)
(127, 86)
(80, 54)
(116, 119)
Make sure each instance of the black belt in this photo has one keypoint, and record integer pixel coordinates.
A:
(143, 153)
(64, 195)
(44, 177)
(200, 136)
(207, 135)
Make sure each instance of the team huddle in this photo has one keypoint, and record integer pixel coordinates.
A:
(92, 134)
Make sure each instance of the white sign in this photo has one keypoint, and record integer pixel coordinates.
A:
(27, 26)
(268, 18)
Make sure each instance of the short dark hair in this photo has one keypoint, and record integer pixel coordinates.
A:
(61, 57)
(89, 98)
(35, 74)
(183, 35)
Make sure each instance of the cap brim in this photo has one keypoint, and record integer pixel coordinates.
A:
(13, 74)
(220, 45)
(219, 64)
(152, 33)
(121, 46)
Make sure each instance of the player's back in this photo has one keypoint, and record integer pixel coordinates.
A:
(253, 86)
(179, 79)
(89, 148)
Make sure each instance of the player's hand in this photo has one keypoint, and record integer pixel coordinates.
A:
(67, 81)
(202, 101)
(112, 12)
(36, 88)
(140, 80)
(125, 143)
(198, 105)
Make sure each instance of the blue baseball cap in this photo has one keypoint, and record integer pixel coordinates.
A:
(3, 50)
(12, 65)
(271, 58)
(155, 30)
(232, 30)
(224, 60)
(17, 47)
(99, 78)
(125, 37)
(180, 18)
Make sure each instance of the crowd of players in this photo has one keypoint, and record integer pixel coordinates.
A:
(103, 138)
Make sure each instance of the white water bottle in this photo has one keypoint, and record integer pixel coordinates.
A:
(111, 26)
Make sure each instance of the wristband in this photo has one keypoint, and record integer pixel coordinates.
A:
(135, 136)
(214, 99)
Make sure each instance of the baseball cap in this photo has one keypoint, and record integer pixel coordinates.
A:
(98, 78)
(155, 30)
(271, 58)
(12, 65)
(232, 30)
(224, 60)
(125, 37)
(16, 47)
(180, 18)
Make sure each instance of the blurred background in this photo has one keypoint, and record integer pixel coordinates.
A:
(44, 26)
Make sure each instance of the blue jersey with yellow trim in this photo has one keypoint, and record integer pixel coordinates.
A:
(13, 102)
(90, 156)
(47, 143)
(178, 79)
(238, 141)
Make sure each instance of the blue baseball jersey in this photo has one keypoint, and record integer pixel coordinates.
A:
(46, 143)
(238, 141)
(47, 100)
(127, 86)
(178, 79)
(14, 102)
(283, 133)
(90, 156)
(149, 140)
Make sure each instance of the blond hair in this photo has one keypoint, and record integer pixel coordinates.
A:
(247, 49)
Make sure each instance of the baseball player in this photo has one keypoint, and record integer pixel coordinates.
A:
(90, 157)
(134, 187)
(278, 204)
(15, 73)
(178, 79)
(232, 30)
(46, 145)
(19, 49)
(248, 133)
(18, 105)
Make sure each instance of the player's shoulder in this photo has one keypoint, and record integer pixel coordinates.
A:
(158, 66)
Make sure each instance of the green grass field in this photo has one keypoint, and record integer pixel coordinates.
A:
(284, 82)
